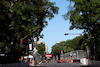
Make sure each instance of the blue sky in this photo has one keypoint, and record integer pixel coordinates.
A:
(58, 26)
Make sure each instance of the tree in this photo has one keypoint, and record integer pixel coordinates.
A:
(21, 18)
(56, 49)
(70, 45)
(85, 15)
(30, 15)
(41, 49)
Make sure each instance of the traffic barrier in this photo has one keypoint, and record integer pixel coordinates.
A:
(33, 62)
(30, 62)
(71, 60)
(61, 61)
(67, 60)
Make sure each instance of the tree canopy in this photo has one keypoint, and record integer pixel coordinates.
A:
(68, 45)
(20, 19)
(41, 49)
(85, 14)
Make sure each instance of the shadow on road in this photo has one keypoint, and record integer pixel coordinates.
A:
(37, 66)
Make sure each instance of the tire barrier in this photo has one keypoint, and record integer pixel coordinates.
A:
(67, 60)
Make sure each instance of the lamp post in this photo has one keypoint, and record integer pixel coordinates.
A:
(73, 34)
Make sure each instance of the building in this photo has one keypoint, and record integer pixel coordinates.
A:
(43, 42)
(46, 49)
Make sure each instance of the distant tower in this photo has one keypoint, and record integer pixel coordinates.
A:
(46, 49)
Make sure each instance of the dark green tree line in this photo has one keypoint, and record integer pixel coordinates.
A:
(69, 45)
(85, 14)
(41, 49)
(23, 18)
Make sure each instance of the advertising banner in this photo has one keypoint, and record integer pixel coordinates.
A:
(48, 56)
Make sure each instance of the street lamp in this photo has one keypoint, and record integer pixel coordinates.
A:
(66, 34)
(72, 33)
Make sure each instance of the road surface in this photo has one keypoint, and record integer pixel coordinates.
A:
(55, 64)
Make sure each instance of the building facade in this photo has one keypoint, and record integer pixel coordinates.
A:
(46, 49)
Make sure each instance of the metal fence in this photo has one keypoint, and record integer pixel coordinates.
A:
(77, 54)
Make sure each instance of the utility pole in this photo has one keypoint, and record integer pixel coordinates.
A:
(74, 34)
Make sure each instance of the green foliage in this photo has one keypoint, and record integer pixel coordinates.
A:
(86, 15)
(41, 49)
(69, 49)
(19, 18)
(69, 45)
(7, 49)
(56, 49)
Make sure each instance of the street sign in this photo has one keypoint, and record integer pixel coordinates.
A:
(48, 56)
(30, 46)
(74, 53)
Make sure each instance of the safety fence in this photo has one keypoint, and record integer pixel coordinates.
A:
(67, 60)
(75, 55)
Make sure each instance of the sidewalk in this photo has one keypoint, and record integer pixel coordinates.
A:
(94, 63)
